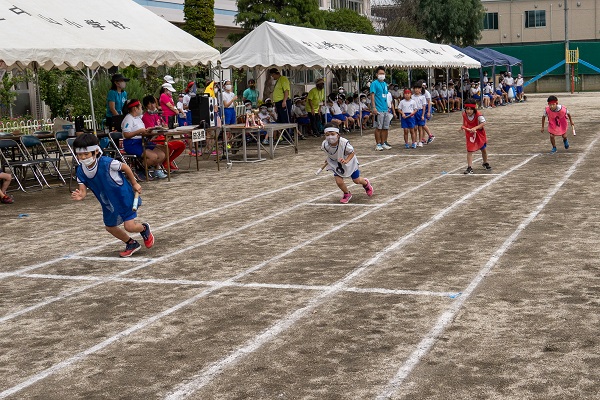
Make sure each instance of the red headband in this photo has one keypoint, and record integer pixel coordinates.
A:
(134, 104)
(407, 91)
(553, 102)
(474, 106)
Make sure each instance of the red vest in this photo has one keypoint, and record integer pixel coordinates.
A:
(557, 121)
(480, 136)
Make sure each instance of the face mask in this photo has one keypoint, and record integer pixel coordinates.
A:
(252, 86)
(88, 161)
(381, 78)
(248, 108)
(227, 87)
(363, 101)
(270, 109)
(122, 85)
(263, 110)
(332, 139)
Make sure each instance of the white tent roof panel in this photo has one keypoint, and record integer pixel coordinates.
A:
(292, 46)
(77, 33)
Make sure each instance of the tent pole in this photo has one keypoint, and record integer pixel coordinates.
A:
(89, 82)
(222, 113)
(447, 88)
(359, 103)
(409, 77)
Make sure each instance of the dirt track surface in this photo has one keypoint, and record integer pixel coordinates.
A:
(261, 286)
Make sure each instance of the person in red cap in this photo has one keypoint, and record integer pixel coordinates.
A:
(473, 123)
(557, 122)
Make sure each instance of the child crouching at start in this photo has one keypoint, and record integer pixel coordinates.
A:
(343, 162)
(113, 184)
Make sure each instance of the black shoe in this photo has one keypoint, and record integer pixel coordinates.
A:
(469, 171)
(301, 137)
(487, 166)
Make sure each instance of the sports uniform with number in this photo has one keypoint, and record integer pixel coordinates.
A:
(337, 152)
(479, 142)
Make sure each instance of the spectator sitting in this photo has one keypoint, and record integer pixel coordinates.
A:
(267, 118)
(151, 120)
(133, 128)
(4, 197)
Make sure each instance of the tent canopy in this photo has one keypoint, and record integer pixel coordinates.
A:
(75, 33)
(506, 59)
(291, 46)
(484, 59)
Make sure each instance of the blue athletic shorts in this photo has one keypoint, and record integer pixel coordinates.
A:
(519, 89)
(355, 174)
(419, 121)
(407, 123)
(134, 146)
(341, 117)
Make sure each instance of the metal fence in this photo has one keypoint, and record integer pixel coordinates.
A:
(35, 125)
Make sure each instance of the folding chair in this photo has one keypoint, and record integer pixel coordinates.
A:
(119, 154)
(75, 161)
(12, 156)
(62, 148)
(34, 150)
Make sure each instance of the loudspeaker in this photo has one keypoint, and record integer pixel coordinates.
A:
(203, 110)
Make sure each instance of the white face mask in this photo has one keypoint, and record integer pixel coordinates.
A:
(381, 77)
(332, 139)
(88, 161)
(364, 101)
(263, 110)
(227, 87)
(122, 84)
(248, 107)
(270, 109)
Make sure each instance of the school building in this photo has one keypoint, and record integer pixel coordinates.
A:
(226, 10)
(534, 31)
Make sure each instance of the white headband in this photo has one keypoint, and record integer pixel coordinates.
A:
(332, 129)
(89, 149)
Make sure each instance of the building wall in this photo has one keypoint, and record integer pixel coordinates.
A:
(226, 10)
(583, 21)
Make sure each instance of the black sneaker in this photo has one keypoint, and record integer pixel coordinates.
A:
(487, 166)
(469, 171)
(130, 248)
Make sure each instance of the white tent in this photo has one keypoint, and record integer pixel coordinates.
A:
(292, 46)
(90, 33)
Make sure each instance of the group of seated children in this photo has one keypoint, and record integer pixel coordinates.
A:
(347, 112)
(445, 98)
(137, 123)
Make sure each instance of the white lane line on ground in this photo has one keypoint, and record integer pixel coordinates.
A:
(175, 222)
(111, 259)
(448, 316)
(205, 242)
(219, 285)
(251, 285)
(207, 374)
(341, 205)
(481, 174)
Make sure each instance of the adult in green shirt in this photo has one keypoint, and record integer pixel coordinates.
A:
(316, 97)
(251, 93)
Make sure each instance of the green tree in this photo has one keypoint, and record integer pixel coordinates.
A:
(452, 21)
(252, 13)
(346, 20)
(199, 18)
(64, 90)
(402, 27)
(7, 92)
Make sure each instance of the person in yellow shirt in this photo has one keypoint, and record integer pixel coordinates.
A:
(316, 97)
(281, 98)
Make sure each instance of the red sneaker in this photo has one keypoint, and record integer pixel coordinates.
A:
(147, 236)
(130, 248)
(7, 199)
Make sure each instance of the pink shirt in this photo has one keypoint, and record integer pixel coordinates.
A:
(164, 99)
(151, 120)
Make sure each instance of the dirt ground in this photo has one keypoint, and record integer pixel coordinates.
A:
(262, 286)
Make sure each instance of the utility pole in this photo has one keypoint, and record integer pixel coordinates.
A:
(567, 66)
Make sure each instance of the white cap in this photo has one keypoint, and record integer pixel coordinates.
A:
(169, 79)
(168, 86)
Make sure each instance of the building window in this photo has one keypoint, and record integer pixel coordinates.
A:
(355, 5)
(490, 21)
(535, 19)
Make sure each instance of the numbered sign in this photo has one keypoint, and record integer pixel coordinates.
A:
(198, 135)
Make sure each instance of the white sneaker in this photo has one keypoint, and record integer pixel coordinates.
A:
(420, 144)
(386, 146)
(160, 174)
(379, 147)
